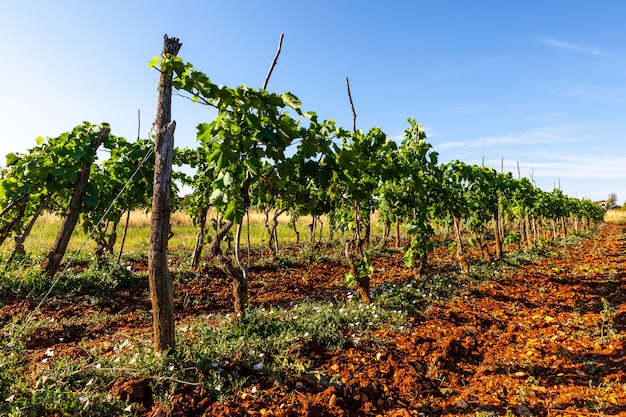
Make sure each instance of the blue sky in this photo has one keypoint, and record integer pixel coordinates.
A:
(541, 84)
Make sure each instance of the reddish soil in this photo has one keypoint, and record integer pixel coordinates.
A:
(544, 339)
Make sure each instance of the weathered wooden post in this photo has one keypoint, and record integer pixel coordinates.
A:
(51, 263)
(161, 293)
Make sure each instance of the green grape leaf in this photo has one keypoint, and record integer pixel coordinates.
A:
(12, 158)
(90, 201)
(291, 100)
(227, 179)
(216, 198)
(154, 62)
(408, 258)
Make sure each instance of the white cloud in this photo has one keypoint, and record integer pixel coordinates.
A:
(543, 116)
(549, 155)
(612, 94)
(541, 135)
(450, 145)
(579, 176)
(573, 47)
(579, 166)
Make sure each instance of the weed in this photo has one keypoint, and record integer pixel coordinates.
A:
(607, 325)
(415, 296)
(512, 238)
(99, 283)
(486, 413)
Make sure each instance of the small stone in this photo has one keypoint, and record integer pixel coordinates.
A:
(159, 412)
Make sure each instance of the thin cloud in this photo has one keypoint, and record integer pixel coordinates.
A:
(557, 43)
(451, 145)
(588, 91)
(544, 116)
(541, 135)
(576, 166)
(560, 165)
(598, 175)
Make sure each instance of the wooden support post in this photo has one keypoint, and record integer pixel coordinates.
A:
(160, 280)
(51, 263)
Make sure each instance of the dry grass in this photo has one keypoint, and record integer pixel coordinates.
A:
(184, 232)
(48, 224)
(47, 219)
(138, 218)
(615, 216)
(141, 218)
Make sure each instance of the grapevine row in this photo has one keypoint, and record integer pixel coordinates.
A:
(262, 151)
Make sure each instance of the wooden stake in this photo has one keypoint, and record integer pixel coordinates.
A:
(159, 278)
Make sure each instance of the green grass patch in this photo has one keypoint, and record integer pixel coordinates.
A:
(28, 282)
(220, 354)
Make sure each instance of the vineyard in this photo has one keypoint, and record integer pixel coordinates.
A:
(373, 279)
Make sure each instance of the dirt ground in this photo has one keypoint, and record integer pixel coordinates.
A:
(544, 339)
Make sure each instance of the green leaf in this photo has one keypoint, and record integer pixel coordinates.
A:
(291, 100)
(269, 135)
(216, 198)
(90, 201)
(215, 155)
(350, 279)
(154, 62)
(227, 179)
(233, 213)
(253, 165)
(254, 121)
(204, 135)
(309, 147)
(367, 263)
(348, 159)
(280, 183)
(12, 158)
(408, 258)
(229, 214)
